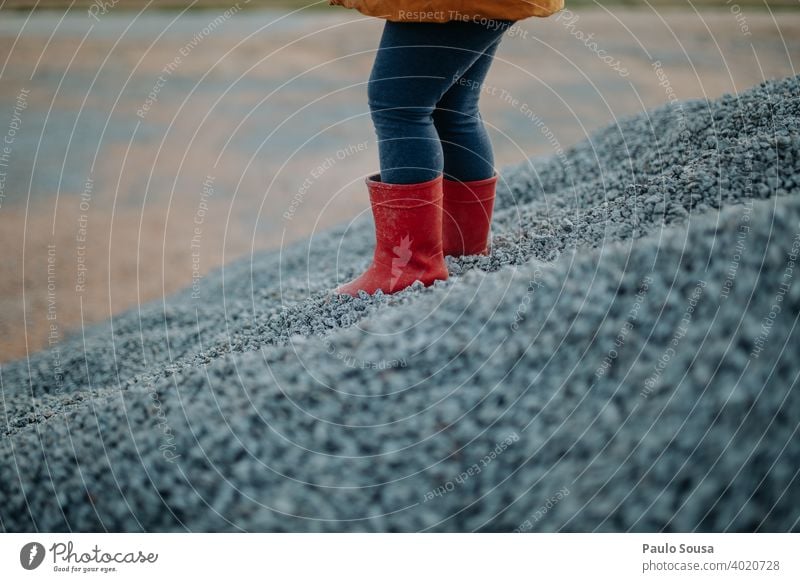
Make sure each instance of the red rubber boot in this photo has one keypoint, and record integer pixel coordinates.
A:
(408, 232)
(467, 216)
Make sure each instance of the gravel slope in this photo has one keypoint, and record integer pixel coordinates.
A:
(618, 363)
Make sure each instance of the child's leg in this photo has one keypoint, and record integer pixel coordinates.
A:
(415, 67)
(467, 149)
(470, 180)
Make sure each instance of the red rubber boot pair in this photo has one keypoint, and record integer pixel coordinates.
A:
(416, 225)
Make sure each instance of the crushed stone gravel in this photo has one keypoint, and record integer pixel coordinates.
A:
(624, 360)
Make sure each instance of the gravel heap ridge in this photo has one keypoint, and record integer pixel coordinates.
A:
(622, 361)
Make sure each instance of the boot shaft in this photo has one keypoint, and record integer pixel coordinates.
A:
(408, 223)
(467, 216)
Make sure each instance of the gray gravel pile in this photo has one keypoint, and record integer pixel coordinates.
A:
(624, 360)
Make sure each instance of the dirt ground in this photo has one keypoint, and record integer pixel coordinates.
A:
(139, 151)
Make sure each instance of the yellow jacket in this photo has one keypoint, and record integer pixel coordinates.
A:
(446, 10)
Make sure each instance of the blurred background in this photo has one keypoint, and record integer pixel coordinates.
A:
(145, 143)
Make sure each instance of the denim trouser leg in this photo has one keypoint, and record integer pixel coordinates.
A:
(466, 146)
(423, 91)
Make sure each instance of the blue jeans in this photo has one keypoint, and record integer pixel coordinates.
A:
(423, 98)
